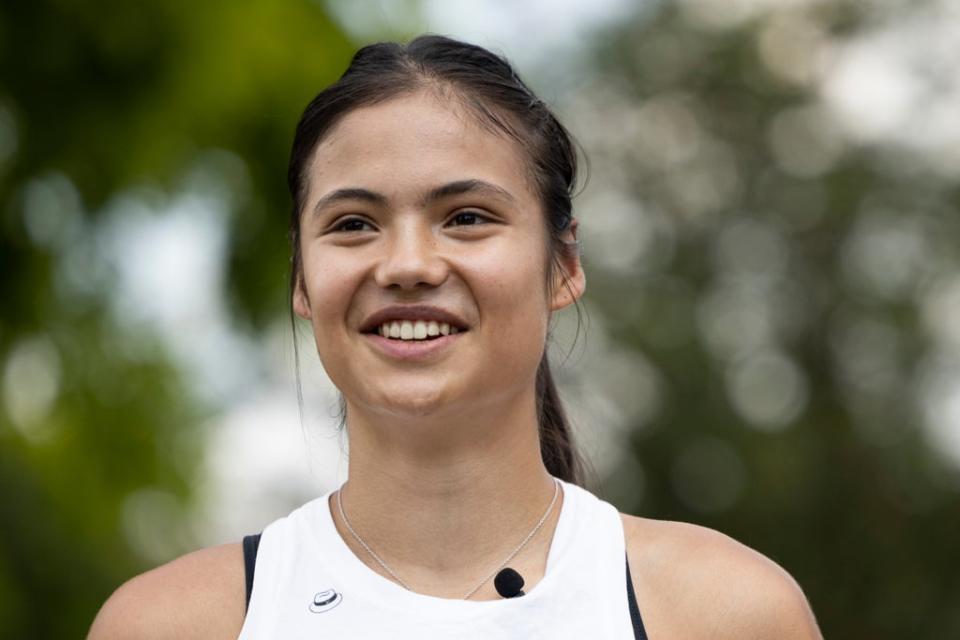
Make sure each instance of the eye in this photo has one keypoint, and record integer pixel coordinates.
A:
(350, 225)
(469, 219)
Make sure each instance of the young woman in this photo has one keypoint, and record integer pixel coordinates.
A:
(433, 237)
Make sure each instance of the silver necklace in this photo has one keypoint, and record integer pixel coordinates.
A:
(343, 516)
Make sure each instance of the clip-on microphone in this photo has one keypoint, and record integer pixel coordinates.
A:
(508, 583)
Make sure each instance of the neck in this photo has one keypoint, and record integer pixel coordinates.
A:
(444, 502)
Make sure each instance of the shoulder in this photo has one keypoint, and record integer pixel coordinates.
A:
(199, 595)
(695, 582)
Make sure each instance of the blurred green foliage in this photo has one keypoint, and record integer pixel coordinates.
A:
(779, 276)
(115, 95)
(752, 208)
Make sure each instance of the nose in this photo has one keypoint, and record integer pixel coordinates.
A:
(411, 258)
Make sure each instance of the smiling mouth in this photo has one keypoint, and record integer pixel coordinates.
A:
(415, 330)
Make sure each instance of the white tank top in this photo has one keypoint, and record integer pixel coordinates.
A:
(309, 584)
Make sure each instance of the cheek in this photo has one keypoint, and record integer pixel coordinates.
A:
(330, 284)
(510, 291)
(325, 284)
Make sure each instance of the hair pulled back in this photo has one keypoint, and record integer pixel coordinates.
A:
(487, 85)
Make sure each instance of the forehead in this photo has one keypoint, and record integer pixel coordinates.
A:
(416, 142)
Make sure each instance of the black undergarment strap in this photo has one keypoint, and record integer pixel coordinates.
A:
(639, 633)
(250, 546)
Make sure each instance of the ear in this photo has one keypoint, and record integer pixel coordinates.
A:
(301, 303)
(570, 280)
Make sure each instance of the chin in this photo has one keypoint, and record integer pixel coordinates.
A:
(412, 402)
(420, 407)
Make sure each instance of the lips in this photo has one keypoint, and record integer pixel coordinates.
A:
(412, 350)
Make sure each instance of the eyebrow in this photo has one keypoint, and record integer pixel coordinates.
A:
(456, 188)
(350, 193)
(461, 187)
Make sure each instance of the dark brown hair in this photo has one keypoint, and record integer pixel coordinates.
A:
(487, 85)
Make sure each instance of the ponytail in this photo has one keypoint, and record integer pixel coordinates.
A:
(557, 448)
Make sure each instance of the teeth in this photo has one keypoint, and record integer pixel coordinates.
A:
(415, 329)
(419, 330)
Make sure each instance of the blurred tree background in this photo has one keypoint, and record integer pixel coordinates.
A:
(108, 111)
(771, 235)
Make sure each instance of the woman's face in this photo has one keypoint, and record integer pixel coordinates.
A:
(412, 202)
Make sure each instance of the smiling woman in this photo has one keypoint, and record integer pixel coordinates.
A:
(433, 238)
